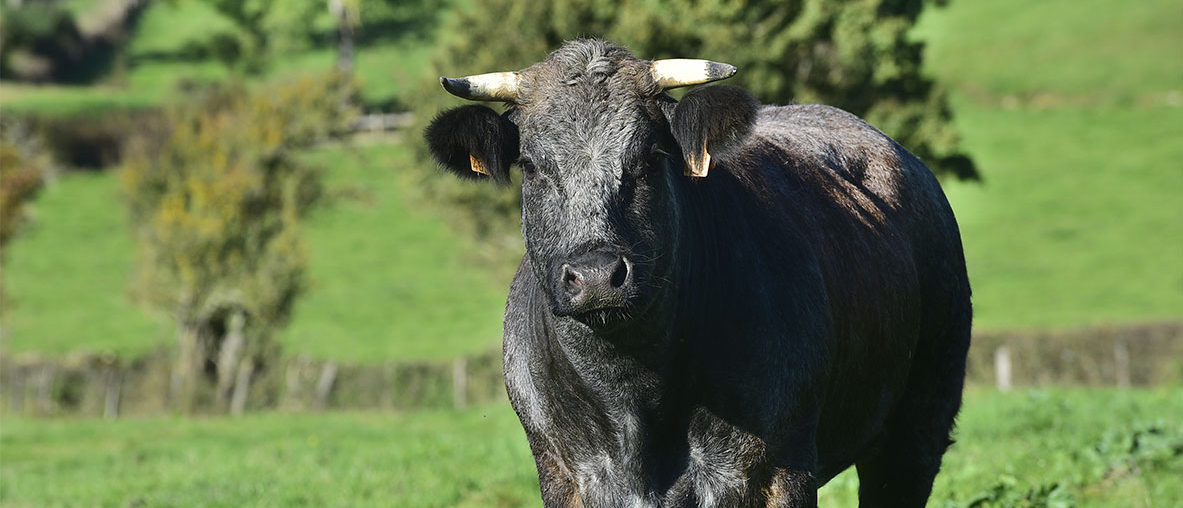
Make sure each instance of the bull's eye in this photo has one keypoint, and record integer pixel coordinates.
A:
(656, 157)
(527, 165)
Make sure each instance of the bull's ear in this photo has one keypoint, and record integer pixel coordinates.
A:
(473, 142)
(712, 122)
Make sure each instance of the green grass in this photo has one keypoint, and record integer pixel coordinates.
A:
(386, 282)
(169, 30)
(81, 7)
(475, 458)
(1066, 107)
(172, 27)
(384, 73)
(1091, 51)
(1078, 221)
(1007, 445)
(67, 276)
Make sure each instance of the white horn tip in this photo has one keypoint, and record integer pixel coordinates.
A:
(675, 72)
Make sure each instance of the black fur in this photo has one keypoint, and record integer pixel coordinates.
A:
(804, 308)
(720, 116)
(473, 130)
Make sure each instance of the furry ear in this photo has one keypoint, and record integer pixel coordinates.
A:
(712, 121)
(473, 142)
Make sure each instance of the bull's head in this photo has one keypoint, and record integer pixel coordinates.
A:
(604, 152)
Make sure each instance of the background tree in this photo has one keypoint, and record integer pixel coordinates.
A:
(24, 165)
(853, 54)
(216, 203)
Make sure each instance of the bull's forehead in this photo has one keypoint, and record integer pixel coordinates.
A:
(589, 102)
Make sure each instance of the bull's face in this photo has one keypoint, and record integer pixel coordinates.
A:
(600, 146)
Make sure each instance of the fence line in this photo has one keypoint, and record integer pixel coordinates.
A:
(110, 387)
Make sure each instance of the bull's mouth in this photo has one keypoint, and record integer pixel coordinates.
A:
(604, 316)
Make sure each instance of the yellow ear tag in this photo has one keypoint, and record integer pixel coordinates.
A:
(697, 167)
(477, 165)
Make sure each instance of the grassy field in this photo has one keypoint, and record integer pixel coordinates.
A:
(387, 282)
(1073, 111)
(1087, 236)
(67, 276)
(159, 61)
(1091, 448)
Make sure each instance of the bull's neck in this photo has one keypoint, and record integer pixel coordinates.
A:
(616, 391)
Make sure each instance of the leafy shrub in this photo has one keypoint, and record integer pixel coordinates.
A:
(23, 166)
(216, 201)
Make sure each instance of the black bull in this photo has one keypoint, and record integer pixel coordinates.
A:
(734, 339)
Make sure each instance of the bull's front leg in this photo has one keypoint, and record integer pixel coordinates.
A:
(554, 480)
(731, 467)
(790, 487)
(792, 481)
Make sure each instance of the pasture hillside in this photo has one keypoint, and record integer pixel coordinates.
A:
(386, 281)
(1036, 448)
(168, 49)
(1071, 110)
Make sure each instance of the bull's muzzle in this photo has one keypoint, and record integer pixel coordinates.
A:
(595, 281)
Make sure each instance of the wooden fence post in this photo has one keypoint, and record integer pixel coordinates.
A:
(459, 382)
(324, 385)
(1121, 358)
(17, 390)
(386, 393)
(290, 398)
(1002, 369)
(230, 360)
(114, 386)
(242, 386)
(45, 402)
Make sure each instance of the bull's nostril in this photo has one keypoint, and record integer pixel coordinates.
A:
(572, 282)
(620, 274)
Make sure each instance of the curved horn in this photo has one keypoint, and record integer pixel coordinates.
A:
(676, 72)
(494, 86)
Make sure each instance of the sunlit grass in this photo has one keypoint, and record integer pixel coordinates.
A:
(388, 281)
(1007, 444)
(1090, 52)
(66, 277)
(1078, 220)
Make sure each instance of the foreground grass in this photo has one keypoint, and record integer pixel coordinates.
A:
(475, 458)
(1089, 448)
